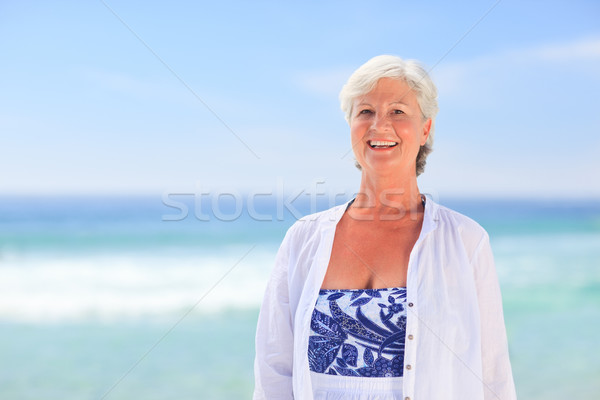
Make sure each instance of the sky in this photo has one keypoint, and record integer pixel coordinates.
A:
(113, 97)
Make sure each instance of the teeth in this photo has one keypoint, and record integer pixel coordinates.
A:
(381, 143)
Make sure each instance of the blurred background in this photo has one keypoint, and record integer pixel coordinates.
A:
(153, 154)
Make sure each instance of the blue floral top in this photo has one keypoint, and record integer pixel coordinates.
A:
(358, 332)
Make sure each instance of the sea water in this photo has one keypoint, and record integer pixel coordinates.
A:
(148, 298)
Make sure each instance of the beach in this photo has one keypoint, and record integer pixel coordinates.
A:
(128, 297)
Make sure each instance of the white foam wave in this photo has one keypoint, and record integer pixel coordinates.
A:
(72, 287)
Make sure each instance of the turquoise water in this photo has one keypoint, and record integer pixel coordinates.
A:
(112, 298)
(207, 358)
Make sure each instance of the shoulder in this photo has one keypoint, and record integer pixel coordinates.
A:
(461, 222)
(325, 216)
(304, 239)
(462, 229)
(313, 224)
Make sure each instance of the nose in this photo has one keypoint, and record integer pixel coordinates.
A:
(381, 123)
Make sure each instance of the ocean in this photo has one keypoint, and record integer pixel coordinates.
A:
(108, 297)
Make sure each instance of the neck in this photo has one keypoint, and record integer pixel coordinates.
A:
(388, 197)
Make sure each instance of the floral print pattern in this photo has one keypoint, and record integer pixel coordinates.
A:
(358, 332)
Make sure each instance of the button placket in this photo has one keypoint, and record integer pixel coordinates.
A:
(412, 326)
(410, 348)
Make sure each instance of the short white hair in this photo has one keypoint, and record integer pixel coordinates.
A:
(365, 78)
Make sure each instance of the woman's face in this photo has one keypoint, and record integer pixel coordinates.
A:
(387, 129)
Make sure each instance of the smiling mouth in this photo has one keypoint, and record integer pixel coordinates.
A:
(381, 144)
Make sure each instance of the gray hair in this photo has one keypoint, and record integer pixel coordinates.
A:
(365, 78)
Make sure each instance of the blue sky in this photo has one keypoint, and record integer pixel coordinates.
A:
(87, 108)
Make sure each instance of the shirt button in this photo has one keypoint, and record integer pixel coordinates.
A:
(408, 366)
(410, 304)
(410, 337)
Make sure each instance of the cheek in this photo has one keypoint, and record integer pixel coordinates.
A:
(408, 130)
(356, 132)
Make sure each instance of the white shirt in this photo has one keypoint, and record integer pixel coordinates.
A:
(455, 346)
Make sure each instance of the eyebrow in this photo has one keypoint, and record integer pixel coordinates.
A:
(389, 104)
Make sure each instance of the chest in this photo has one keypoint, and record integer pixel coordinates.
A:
(370, 255)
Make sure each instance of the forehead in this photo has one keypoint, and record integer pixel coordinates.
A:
(389, 89)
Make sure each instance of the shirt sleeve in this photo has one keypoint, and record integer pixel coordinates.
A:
(274, 334)
(497, 373)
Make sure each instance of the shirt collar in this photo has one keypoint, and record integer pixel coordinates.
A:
(430, 217)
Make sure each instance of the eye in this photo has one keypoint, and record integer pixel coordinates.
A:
(398, 112)
(365, 111)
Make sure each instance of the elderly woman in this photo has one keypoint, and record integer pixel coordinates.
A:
(389, 296)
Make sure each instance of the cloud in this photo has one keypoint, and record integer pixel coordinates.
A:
(475, 78)
(579, 50)
(323, 83)
(452, 77)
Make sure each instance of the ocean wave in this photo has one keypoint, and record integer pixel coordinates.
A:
(74, 287)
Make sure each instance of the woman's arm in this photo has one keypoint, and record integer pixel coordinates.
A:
(497, 373)
(274, 335)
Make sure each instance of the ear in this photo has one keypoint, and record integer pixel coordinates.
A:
(426, 129)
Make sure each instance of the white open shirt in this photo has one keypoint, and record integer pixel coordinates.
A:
(458, 348)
